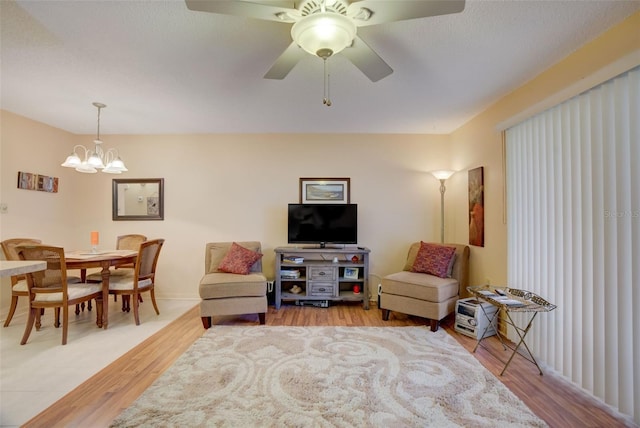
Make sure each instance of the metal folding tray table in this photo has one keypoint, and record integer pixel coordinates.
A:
(511, 300)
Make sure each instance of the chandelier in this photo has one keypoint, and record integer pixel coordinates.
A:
(108, 161)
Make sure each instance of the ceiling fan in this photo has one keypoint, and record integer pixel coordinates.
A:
(327, 27)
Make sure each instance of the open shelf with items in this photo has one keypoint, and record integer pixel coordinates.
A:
(322, 274)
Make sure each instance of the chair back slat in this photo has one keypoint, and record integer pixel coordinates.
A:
(9, 246)
(130, 242)
(10, 253)
(148, 258)
(51, 280)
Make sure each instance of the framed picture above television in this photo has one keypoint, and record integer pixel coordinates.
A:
(325, 190)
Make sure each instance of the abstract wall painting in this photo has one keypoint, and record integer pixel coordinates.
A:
(476, 207)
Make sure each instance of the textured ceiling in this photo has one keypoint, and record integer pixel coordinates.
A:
(163, 69)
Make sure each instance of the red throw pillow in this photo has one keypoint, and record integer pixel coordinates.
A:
(433, 259)
(238, 260)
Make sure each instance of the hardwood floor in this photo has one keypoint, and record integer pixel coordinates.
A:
(100, 399)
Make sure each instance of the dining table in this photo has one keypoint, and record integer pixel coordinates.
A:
(104, 260)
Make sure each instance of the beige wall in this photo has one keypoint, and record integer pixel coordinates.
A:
(479, 142)
(224, 187)
(236, 187)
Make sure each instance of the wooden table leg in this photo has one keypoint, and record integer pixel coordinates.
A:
(83, 279)
(104, 320)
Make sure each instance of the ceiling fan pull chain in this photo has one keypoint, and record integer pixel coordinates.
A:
(328, 87)
(327, 97)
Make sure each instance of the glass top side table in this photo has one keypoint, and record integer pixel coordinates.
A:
(510, 300)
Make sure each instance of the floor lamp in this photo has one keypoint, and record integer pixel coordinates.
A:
(442, 176)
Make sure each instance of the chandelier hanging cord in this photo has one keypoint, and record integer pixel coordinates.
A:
(100, 107)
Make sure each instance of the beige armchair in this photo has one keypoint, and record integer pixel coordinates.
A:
(225, 293)
(425, 295)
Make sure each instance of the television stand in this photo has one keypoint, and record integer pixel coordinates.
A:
(311, 275)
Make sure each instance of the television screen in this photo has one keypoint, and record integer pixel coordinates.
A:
(323, 223)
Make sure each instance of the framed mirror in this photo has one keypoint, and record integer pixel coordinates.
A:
(138, 199)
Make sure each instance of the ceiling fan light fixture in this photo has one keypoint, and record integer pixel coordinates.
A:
(324, 30)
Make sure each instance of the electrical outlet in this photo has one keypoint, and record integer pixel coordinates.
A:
(4, 208)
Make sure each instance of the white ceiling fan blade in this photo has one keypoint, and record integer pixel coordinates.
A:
(279, 11)
(285, 62)
(396, 10)
(369, 62)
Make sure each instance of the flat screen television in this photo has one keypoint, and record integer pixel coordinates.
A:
(323, 224)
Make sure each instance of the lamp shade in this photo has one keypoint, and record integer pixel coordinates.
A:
(73, 161)
(324, 30)
(443, 174)
(115, 167)
(86, 168)
(95, 161)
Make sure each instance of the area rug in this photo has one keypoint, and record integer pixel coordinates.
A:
(261, 376)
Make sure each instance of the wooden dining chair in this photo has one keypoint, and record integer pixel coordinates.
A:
(129, 242)
(143, 279)
(123, 242)
(52, 289)
(18, 282)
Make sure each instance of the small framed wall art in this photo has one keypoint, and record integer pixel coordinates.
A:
(43, 183)
(324, 190)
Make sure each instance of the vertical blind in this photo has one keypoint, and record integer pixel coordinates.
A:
(573, 208)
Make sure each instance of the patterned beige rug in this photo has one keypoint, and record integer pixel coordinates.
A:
(260, 376)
